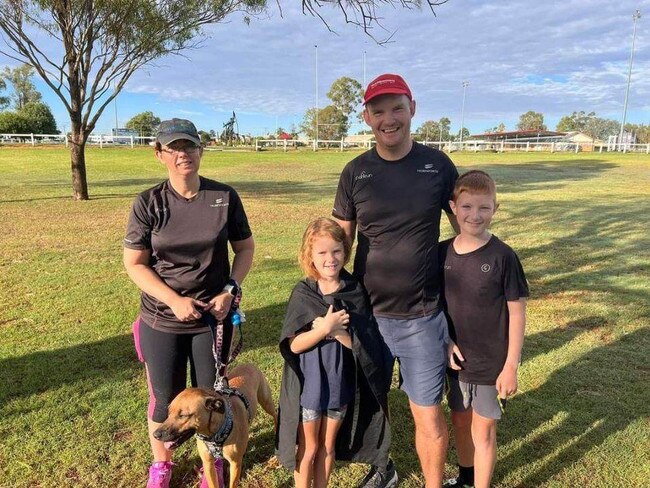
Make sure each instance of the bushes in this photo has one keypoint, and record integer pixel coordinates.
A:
(34, 117)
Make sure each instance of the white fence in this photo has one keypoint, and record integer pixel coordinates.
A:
(531, 146)
(101, 139)
(288, 144)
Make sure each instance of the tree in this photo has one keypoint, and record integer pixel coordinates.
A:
(4, 101)
(346, 94)
(21, 80)
(498, 128)
(434, 131)
(531, 121)
(577, 121)
(39, 118)
(601, 129)
(144, 123)
(332, 123)
(465, 134)
(13, 123)
(641, 131)
(105, 41)
(205, 137)
(33, 118)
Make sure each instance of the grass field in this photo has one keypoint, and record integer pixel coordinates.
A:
(73, 396)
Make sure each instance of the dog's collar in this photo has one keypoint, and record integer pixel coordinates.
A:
(215, 442)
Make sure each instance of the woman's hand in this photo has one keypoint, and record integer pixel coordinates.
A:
(332, 320)
(187, 309)
(219, 306)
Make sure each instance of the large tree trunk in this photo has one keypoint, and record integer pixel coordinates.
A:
(78, 165)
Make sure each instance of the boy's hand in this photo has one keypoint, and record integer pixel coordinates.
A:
(452, 349)
(332, 320)
(507, 381)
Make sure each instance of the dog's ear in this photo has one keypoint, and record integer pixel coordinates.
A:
(215, 404)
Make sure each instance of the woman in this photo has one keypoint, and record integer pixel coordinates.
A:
(176, 252)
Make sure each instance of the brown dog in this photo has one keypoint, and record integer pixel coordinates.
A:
(201, 411)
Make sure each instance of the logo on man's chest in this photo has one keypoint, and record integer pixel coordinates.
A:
(363, 176)
(428, 168)
(485, 267)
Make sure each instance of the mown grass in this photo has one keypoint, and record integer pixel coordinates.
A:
(73, 396)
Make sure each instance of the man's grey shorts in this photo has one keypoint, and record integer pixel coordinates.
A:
(483, 399)
(420, 347)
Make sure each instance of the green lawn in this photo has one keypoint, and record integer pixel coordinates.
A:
(73, 396)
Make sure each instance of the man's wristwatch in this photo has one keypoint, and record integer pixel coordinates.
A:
(232, 287)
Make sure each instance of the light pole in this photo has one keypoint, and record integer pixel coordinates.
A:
(316, 140)
(635, 16)
(115, 104)
(462, 114)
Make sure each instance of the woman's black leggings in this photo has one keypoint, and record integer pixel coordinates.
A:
(166, 354)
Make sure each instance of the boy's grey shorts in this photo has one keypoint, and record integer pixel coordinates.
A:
(420, 347)
(309, 415)
(483, 399)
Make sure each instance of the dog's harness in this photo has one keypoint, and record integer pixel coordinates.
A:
(215, 442)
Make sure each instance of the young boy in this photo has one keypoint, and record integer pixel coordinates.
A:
(485, 292)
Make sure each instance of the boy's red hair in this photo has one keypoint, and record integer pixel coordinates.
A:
(475, 181)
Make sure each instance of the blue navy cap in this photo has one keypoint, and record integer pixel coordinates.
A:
(177, 129)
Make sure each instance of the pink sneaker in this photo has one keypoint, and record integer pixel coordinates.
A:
(160, 474)
(218, 464)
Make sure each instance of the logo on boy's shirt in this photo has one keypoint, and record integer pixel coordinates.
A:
(219, 203)
(485, 267)
(447, 266)
(428, 168)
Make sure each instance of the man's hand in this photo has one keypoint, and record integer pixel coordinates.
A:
(219, 306)
(187, 308)
(332, 321)
(452, 349)
(507, 381)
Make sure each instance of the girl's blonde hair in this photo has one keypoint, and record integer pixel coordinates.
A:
(321, 227)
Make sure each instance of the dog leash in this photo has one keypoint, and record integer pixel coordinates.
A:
(216, 329)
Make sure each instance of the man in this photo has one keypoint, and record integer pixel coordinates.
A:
(395, 193)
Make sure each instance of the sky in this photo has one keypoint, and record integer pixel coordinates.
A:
(553, 57)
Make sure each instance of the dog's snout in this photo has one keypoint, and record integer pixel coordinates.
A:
(158, 434)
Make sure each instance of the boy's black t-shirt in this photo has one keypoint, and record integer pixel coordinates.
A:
(397, 206)
(476, 289)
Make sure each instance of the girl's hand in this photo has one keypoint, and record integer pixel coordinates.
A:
(219, 306)
(332, 320)
(187, 308)
(452, 349)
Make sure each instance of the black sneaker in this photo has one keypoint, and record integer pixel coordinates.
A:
(455, 483)
(376, 479)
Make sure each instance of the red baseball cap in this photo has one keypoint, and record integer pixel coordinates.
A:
(387, 84)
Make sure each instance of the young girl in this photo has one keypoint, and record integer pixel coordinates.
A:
(333, 402)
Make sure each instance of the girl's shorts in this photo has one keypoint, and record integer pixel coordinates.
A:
(309, 415)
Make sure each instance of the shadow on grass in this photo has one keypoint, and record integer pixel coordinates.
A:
(577, 408)
(107, 359)
(600, 250)
(542, 175)
(574, 411)
(100, 196)
(41, 371)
